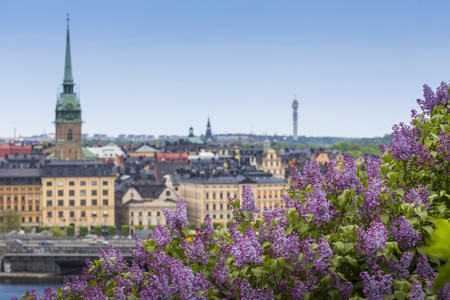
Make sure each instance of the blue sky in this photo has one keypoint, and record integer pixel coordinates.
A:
(159, 67)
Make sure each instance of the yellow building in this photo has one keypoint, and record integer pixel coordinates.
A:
(144, 150)
(210, 195)
(271, 163)
(77, 193)
(20, 190)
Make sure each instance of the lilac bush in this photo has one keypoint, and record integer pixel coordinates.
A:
(359, 231)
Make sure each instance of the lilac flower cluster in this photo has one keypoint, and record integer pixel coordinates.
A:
(318, 205)
(246, 249)
(321, 255)
(248, 201)
(443, 147)
(177, 219)
(162, 236)
(423, 268)
(371, 240)
(419, 196)
(373, 167)
(417, 291)
(404, 232)
(431, 99)
(400, 269)
(374, 286)
(247, 292)
(311, 175)
(372, 199)
(345, 287)
(338, 179)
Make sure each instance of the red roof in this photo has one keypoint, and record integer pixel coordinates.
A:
(172, 157)
(11, 149)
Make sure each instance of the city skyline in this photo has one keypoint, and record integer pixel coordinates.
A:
(155, 68)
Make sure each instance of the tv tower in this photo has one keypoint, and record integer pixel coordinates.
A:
(295, 107)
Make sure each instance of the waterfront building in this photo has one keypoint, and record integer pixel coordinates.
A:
(210, 195)
(77, 193)
(68, 142)
(20, 191)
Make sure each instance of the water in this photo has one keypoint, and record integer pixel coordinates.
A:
(16, 287)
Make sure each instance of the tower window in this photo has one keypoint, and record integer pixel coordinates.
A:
(69, 134)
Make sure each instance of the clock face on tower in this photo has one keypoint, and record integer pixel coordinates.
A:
(69, 106)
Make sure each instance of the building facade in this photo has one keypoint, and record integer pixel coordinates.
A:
(77, 193)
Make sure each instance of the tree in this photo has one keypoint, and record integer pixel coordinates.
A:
(70, 230)
(139, 227)
(98, 230)
(84, 230)
(111, 230)
(125, 229)
(42, 228)
(27, 229)
(151, 226)
(11, 221)
(57, 232)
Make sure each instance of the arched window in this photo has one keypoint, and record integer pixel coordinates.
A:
(69, 134)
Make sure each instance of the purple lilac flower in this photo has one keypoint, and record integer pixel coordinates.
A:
(289, 203)
(400, 269)
(111, 262)
(158, 289)
(195, 251)
(220, 273)
(247, 292)
(417, 291)
(431, 99)
(93, 292)
(371, 240)
(177, 219)
(246, 249)
(311, 175)
(161, 235)
(444, 147)
(373, 167)
(444, 293)
(321, 256)
(341, 178)
(206, 231)
(419, 196)
(404, 232)
(248, 201)
(318, 205)
(423, 268)
(345, 287)
(372, 198)
(374, 286)
(298, 290)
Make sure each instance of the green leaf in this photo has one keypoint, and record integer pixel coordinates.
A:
(428, 229)
(335, 294)
(440, 246)
(341, 200)
(248, 215)
(131, 297)
(351, 260)
(91, 268)
(350, 209)
(392, 177)
(339, 246)
(286, 264)
(348, 247)
(268, 262)
(265, 244)
(400, 192)
(443, 277)
(324, 282)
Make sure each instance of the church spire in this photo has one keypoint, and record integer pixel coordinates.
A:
(68, 79)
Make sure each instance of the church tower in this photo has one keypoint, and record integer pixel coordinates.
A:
(68, 114)
(208, 135)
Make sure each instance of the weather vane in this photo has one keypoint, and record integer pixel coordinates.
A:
(67, 19)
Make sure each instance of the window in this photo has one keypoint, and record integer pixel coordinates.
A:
(23, 207)
(70, 153)
(60, 202)
(105, 202)
(83, 193)
(71, 183)
(228, 195)
(30, 208)
(37, 219)
(37, 197)
(105, 192)
(168, 193)
(94, 183)
(207, 206)
(214, 207)
(15, 198)
(221, 195)
(30, 219)
(221, 206)
(140, 214)
(207, 196)
(105, 182)
(49, 183)
(60, 193)
(158, 214)
(71, 202)
(49, 203)
(221, 216)
(8, 198)
(49, 214)
(83, 214)
(23, 220)
(71, 193)
(214, 195)
(82, 183)
(105, 213)
(60, 214)
(83, 202)
(22, 198)
(94, 213)
(69, 135)
(149, 213)
(132, 213)
(72, 214)
(30, 198)
(214, 216)
(37, 209)
(228, 216)
(94, 202)
(94, 192)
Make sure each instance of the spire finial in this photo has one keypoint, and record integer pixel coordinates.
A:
(67, 19)
(295, 96)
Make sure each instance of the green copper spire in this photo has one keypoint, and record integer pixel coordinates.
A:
(68, 78)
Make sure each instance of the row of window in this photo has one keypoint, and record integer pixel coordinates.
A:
(30, 208)
(30, 219)
(221, 195)
(72, 214)
(72, 193)
(82, 202)
(72, 183)
(220, 205)
(149, 214)
(22, 189)
(22, 198)
(82, 172)
(158, 222)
